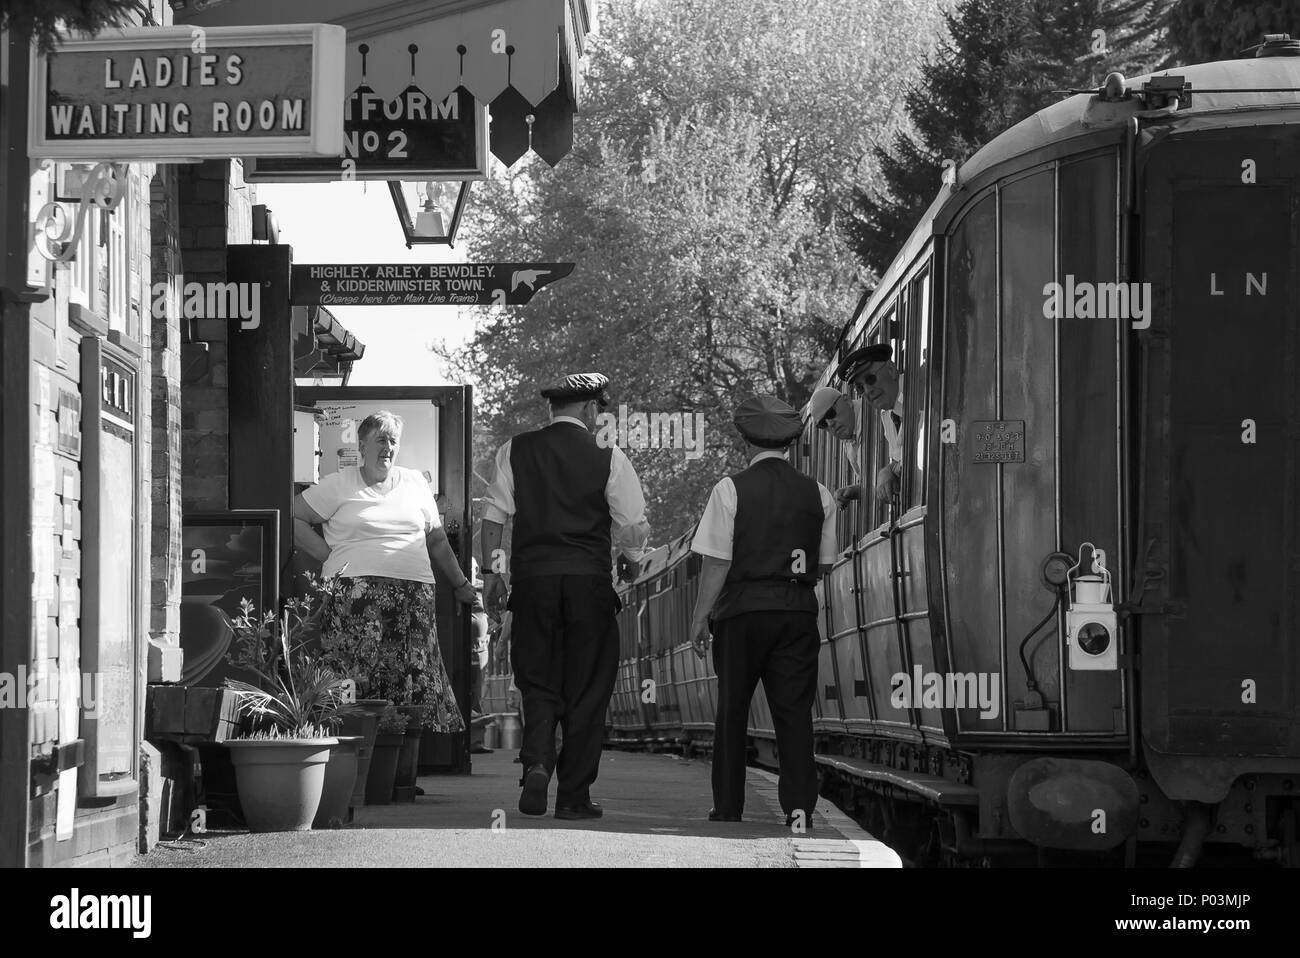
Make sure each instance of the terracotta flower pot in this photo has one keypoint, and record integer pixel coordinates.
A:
(280, 781)
(340, 779)
(383, 768)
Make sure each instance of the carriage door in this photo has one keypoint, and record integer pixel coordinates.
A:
(1219, 439)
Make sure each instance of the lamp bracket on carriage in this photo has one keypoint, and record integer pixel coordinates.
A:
(1091, 627)
(1159, 92)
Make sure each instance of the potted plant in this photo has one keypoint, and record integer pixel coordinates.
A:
(364, 726)
(383, 764)
(288, 720)
(409, 758)
(385, 673)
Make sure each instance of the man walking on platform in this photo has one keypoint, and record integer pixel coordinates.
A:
(767, 536)
(572, 500)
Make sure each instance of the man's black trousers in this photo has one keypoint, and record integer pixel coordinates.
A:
(781, 649)
(564, 651)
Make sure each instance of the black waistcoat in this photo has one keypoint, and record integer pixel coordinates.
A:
(778, 516)
(562, 522)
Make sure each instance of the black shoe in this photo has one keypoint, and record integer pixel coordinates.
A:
(587, 809)
(532, 801)
(716, 816)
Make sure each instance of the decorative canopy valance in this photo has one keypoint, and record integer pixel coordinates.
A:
(522, 57)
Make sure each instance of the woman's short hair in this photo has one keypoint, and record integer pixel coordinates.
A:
(382, 421)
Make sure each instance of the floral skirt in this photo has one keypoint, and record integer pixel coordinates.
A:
(383, 633)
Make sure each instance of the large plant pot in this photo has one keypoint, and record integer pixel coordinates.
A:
(280, 781)
(340, 779)
(364, 723)
(383, 768)
(407, 761)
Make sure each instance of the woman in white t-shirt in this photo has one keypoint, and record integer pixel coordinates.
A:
(381, 525)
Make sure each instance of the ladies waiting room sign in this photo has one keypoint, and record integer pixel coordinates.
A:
(160, 93)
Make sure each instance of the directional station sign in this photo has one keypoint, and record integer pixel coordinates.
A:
(422, 284)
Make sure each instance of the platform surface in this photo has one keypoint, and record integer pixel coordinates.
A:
(656, 808)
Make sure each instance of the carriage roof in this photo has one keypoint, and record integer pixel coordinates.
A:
(1083, 115)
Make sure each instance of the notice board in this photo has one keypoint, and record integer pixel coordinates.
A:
(111, 597)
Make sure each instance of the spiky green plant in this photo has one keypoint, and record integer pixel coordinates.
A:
(295, 692)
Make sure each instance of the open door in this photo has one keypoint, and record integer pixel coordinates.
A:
(435, 440)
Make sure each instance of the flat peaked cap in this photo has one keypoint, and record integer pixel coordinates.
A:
(821, 402)
(875, 353)
(580, 386)
(767, 421)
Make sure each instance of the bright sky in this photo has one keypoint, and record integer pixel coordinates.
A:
(356, 223)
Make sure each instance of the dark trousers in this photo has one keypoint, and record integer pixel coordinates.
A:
(781, 649)
(564, 650)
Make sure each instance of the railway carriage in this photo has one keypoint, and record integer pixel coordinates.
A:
(1074, 630)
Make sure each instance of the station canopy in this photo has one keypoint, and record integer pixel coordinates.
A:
(521, 57)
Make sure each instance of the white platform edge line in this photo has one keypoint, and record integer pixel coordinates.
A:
(863, 849)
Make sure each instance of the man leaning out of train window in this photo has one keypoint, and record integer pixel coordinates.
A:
(871, 373)
(841, 416)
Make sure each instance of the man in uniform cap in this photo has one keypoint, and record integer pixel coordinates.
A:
(571, 499)
(767, 535)
(830, 409)
(871, 371)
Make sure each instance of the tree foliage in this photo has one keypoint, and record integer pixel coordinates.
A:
(42, 19)
(1202, 31)
(716, 142)
(1001, 61)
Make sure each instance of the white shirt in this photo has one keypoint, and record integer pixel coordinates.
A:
(377, 531)
(894, 434)
(853, 447)
(716, 532)
(630, 531)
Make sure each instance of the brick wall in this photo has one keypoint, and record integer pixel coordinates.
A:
(215, 210)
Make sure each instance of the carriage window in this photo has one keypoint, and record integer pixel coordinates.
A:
(916, 396)
(876, 448)
(837, 475)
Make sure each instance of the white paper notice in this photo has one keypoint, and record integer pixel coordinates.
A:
(43, 484)
(43, 572)
(42, 404)
(67, 804)
(41, 622)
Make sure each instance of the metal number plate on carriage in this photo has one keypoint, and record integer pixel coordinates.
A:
(1000, 440)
